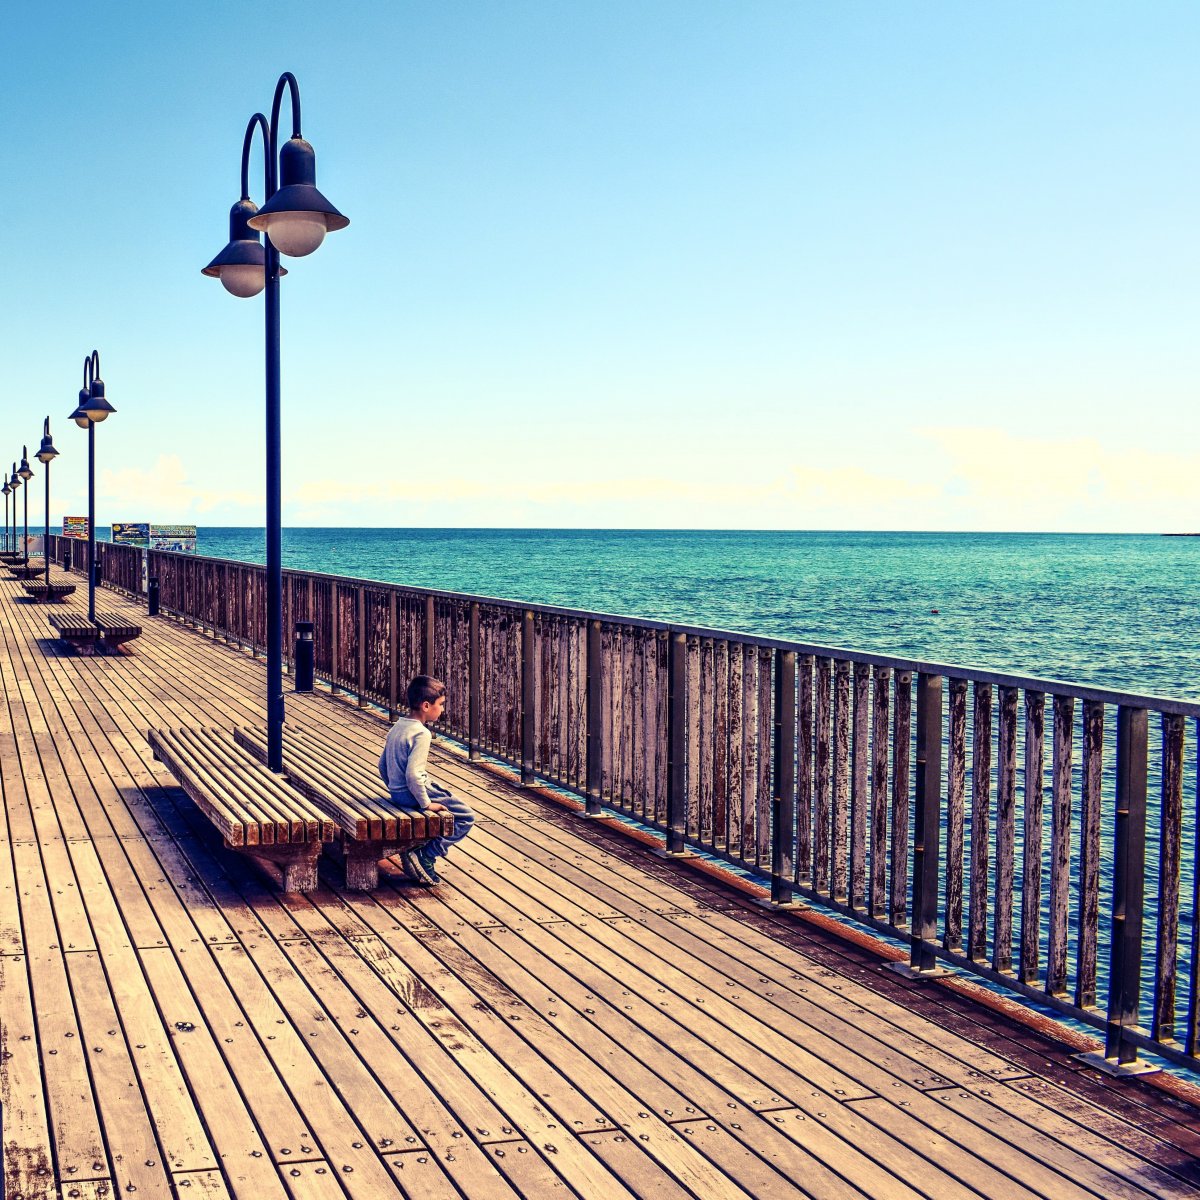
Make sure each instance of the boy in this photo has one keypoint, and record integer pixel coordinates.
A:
(403, 767)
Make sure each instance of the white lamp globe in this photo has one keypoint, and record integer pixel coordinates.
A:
(243, 279)
(296, 233)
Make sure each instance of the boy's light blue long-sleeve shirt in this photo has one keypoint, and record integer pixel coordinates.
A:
(403, 764)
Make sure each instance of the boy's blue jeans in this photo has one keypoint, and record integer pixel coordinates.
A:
(464, 818)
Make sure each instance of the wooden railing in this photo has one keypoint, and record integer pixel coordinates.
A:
(1036, 833)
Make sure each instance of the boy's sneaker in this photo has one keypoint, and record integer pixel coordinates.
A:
(426, 863)
(412, 868)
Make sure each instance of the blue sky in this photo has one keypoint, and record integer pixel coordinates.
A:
(778, 265)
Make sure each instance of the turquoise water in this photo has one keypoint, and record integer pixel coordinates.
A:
(1117, 611)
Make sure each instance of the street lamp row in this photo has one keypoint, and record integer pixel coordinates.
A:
(22, 475)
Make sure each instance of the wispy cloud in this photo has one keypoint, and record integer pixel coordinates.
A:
(163, 491)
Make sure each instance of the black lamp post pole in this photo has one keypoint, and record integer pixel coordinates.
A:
(26, 478)
(275, 705)
(92, 521)
(46, 535)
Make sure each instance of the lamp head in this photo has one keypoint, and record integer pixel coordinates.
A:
(97, 408)
(5, 489)
(297, 217)
(47, 451)
(24, 470)
(79, 416)
(242, 265)
(15, 480)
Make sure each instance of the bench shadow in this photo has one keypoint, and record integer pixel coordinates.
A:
(51, 647)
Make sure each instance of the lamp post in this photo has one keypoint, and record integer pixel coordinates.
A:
(26, 475)
(7, 492)
(14, 483)
(45, 454)
(91, 410)
(295, 217)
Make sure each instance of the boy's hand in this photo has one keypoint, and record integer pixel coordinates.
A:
(434, 806)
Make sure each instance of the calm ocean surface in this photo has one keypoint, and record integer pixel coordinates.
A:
(1118, 611)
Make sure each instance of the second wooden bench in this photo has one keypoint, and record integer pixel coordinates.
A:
(105, 632)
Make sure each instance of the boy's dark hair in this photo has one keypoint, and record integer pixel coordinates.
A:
(424, 688)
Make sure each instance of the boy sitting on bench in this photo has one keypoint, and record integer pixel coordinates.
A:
(403, 768)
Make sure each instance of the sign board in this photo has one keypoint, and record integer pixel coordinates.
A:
(173, 537)
(131, 533)
(75, 527)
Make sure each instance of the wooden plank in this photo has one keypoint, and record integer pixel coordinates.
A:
(956, 786)
(840, 810)
(1170, 843)
(1060, 846)
(822, 777)
(859, 794)
(901, 759)
(1006, 808)
(1031, 873)
(981, 792)
(28, 1149)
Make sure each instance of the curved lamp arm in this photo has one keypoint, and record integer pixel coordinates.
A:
(286, 80)
(258, 121)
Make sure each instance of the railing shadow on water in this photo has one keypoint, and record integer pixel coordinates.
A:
(1036, 833)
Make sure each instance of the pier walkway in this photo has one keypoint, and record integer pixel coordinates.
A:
(567, 1015)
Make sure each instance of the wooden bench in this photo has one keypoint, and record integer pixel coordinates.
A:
(373, 825)
(75, 629)
(56, 589)
(104, 633)
(19, 570)
(257, 813)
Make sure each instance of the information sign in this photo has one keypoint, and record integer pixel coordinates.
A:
(131, 533)
(173, 537)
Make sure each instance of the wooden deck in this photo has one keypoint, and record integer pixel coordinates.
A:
(565, 1016)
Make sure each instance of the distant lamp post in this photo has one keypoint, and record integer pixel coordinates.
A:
(26, 474)
(295, 217)
(91, 410)
(46, 453)
(7, 540)
(14, 483)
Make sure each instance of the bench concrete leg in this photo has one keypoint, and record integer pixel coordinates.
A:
(362, 866)
(293, 867)
(362, 861)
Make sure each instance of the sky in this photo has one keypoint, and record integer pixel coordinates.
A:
(631, 263)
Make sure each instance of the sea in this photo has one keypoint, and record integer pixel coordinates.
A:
(1112, 610)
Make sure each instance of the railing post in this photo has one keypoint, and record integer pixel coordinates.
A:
(473, 696)
(362, 646)
(527, 696)
(393, 642)
(595, 726)
(1129, 879)
(335, 640)
(783, 798)
(427, 647)
(677, 746)
(927, 839)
